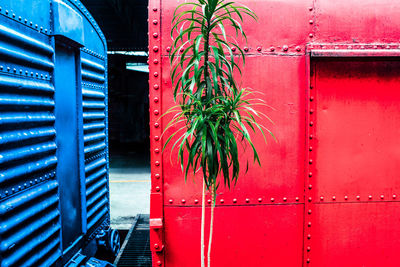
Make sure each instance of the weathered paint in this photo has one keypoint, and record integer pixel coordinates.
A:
(327, 192)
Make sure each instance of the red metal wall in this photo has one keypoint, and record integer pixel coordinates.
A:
(326, 192)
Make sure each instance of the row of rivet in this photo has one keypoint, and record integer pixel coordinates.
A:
(154, 56)
(284, 48)
(24, 21)
(104, 225)
(355, 46)
(93, 53)
(37, 180)
(26, 73)
(235, 200)
(91, 85)
(311, 126)
(97, 156)
(357, 197)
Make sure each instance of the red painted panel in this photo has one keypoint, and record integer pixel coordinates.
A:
(269, 235)
(281, 174)
(357, 123)
(355, 235)
(355, 21)
(280, 23)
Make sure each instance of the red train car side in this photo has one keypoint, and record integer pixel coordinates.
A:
(328, 191)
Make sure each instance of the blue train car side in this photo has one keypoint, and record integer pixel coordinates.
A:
(54, 194)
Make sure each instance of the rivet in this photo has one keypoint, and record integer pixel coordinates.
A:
(222, 201)
(308, 236)
(336, 47)
(156, 138)
(394, 196)
(181, 50)
(154, 9)
(157, 188)
(310, 174)
(382, 196)
(1, 67)
(311, 21)
(155, 74)
(246, 49)
(309, 199)
(311, 98)
(19, 18)
(362, 47)
(234, 200)
(333, 198)
(310, 8)
(13, 15)
(259, 49)
(311, 35)
(233, 49)
(156, 86)
(196, 201)
(168, 49)
(15, 70)
(170, 201)
(285, 48)
(311, 111)
(156, 125)
(310, 148)
(209, 201)
(309, 224)
(322, 198)
(272, 199)
(247, 200)
(6, 12)
(155, 48)
(310, 186)
(308, 260)
(310, 161)
(156, 246)
(36, 26)
(159, 263)
(157, 175)
(309, 211)
(260, 199)
(311, 124)
(370, 197)
(375, 47)
(8, 69)
(155, 22)
(297, 198)
(156, 100)
(156, 112)
(345, 197)
(298, 48)
(183, 201)
(284, 199)
(311, 136)
(349, 47)
(272, 49)
(358, 197)
(308, 248)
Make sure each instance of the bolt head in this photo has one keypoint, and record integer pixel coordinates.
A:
(259, 49)
(222, 201)
(156, 86)
(156, 125)
(308, 236)
(155, 61)
(322, 198)
(260, 199)
(233, 49)
(394, 196)
(311, 21)
(345, 197)
(298, 48)
(272, 49)
(171, 201)
(333, 198)
(157, 150)
(247, 200)
(234, 200)
(156, 100)
(209, 201)
(156, 138)
(157, 163)
(358, 197)
(382, 196)
(183, 201)
(284, 199)
(155, 22)
(156, 112)
(370, 197)
(297, 198)
(155, 35)
(196, 201)
(157, 188)
(311, 35)
(285, 48)
(157, 175)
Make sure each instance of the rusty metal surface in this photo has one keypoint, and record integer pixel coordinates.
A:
(331, 177)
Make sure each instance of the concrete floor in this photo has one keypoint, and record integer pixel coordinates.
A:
(129, 188)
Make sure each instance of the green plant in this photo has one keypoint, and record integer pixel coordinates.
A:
(216, 114)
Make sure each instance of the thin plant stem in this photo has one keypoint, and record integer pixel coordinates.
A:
(203, 215)
(211, 225)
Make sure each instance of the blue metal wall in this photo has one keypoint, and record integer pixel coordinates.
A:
(53, 131)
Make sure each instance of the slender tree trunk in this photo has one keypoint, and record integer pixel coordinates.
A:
(211, 225)
(203, 214)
